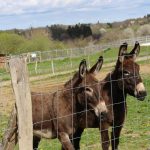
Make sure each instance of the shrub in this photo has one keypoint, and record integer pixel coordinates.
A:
(144, 30)
(9, 43)
(128, 33)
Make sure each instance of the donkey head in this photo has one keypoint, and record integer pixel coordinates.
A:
(88, 90)
(127, 71)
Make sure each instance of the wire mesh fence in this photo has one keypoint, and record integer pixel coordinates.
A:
(82, 51)
(135, 133)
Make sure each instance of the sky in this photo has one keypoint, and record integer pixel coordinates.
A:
(26, 13)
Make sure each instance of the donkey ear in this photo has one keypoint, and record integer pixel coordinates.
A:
(97, 67)
(82, 68)
(136, 50)
(122, 51)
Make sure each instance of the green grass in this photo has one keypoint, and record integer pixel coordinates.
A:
(3, 124)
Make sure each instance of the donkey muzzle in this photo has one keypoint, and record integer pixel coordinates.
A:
(141, 95)
(103, 117)
(101, 109)
(140, 91)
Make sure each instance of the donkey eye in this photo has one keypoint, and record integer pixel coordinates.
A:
(126, 73)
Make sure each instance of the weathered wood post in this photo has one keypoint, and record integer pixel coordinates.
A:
(52, 66)
(20, 82)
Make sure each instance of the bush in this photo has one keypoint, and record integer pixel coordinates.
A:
(9, 43)
(144, 30)
(39, 43)
(128, 33)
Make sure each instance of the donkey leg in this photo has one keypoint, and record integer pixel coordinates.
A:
(115, 136)
(104, 136)
(36, 141)
(76, 138)
(65, 141)
(119, 118)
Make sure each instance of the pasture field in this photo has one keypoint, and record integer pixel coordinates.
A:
(136, 132)
(71, 63)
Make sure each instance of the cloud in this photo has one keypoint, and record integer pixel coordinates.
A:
(24, 13)
(9, 7)
(100, 2)
(33, 7)
(25, 6)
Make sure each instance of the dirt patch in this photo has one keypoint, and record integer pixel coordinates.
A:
(145, 69)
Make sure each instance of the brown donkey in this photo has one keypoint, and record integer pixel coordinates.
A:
(56, 115)
(93, 113)
(125, 79)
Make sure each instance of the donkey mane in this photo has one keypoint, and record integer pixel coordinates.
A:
(109, 76)
(73, 81)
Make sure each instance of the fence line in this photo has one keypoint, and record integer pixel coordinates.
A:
(54, 56)
(81, 51)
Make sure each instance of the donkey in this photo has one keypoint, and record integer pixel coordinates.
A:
(56, 115)
(93, 117)
(124, 80)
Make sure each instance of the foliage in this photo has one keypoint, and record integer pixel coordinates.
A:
(128, 33)
(144, 30)
(57, 32)
(10, 42)
(72, 32)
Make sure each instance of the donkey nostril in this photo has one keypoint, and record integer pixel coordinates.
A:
(103, 113)
(141, 95)
(103, 116)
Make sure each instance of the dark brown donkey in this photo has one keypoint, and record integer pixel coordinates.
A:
(125, 79)
(56, 115)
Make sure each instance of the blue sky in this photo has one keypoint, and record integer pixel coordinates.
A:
(27, 13)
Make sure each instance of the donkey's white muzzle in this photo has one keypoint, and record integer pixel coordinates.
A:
(100, 108)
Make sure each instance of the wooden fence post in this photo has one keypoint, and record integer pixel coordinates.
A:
(20, 82)
(36, 64)
(52, 66)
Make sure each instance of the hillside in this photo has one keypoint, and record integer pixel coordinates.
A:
(62, 36)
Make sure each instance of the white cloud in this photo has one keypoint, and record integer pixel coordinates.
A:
(100, 2)
(25, 6)
(8, 7)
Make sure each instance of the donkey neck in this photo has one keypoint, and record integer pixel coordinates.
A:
(110, 86)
